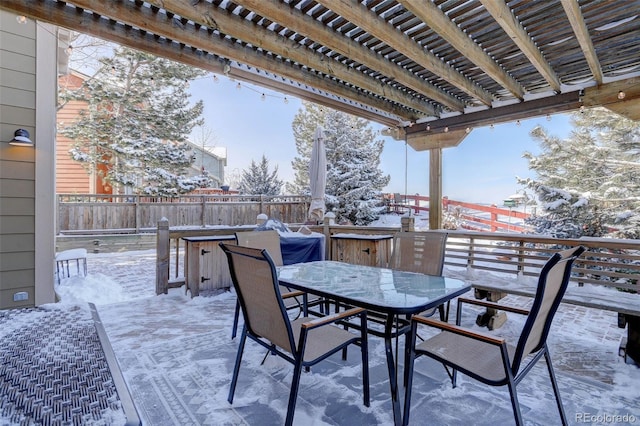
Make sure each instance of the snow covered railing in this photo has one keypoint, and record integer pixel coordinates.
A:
(608, 262)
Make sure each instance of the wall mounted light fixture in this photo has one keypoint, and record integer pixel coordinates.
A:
(21, 138)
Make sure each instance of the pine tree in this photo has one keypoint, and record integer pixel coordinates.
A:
(257, 180)
(137, 122)
(354, 180)
(304, 126)
(588, 184)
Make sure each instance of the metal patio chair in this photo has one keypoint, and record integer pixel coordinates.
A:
(303, 342)
(270, 241)
(421, 252)
(492, 360)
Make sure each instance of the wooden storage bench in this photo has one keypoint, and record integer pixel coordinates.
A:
(627, 305)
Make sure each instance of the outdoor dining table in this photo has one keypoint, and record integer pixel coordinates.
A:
(393, 295)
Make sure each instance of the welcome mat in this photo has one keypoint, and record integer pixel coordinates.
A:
(55, 370)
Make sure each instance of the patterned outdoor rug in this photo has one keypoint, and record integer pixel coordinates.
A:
(56, 371)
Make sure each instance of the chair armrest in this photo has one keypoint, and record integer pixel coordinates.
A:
(458, 330)
(318, 322)
(493, 305)
(292, 294)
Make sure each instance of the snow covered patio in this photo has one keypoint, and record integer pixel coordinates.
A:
(177, 356)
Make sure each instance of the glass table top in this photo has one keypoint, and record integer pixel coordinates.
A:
(371, 287)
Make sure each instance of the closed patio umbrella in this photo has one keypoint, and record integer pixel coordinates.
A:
(317, 175)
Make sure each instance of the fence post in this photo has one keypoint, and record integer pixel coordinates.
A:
(136, 207)
(203, 206)
(329, 219)
(494, 220)
(162, 256)
(407, 224)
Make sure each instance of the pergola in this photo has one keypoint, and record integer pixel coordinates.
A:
(429, 70)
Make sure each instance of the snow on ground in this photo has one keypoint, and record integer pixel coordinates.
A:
(177, 356)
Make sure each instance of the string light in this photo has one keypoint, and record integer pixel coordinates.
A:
(621, 95)
(491, 126)
(548, 117)
(216, 79)
(22, 20)
(238, 86)
(69, 50)
(428, 127)
(263, 97)
(286, 100)
(582, 109)
(518, 123)
(467, 130)
(446, 129)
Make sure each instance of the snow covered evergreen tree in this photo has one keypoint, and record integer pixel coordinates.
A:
(588, 184)
(354, 179)
(137, 122)
(257, 180)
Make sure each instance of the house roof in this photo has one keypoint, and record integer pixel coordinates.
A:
(419, 67)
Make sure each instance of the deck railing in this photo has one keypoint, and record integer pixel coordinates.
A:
(607, 262)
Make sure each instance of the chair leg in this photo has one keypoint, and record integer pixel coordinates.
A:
(236, 368)
(411, 342)
(556, 390)
(514, 403)
(364, 349)
(293, 394)
(236, 316)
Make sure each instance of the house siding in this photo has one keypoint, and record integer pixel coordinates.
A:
(24, 171)
(71, 176)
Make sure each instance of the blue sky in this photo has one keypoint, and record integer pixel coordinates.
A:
(482, 169)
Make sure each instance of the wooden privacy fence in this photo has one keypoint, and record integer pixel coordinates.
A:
(94, 214)
(135, 213)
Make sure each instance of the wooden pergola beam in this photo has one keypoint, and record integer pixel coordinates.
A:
(572, 9)
(234, 26)
(155, 29)
(436, 19)
(520, 111)
(505, 18)
(304, 24)
(359, 15)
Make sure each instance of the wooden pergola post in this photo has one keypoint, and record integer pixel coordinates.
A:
(434, 142)
(435, 188)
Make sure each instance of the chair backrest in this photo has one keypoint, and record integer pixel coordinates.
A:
(255, 280)
(552, 284)
(421, 252)
(268, 240)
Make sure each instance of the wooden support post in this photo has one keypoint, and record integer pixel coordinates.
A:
(407, 224)
(329, 219)
(136, 207)
(203, 208)
(162, 256)
(435, 188)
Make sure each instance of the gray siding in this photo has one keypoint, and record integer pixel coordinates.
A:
(20, 188)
